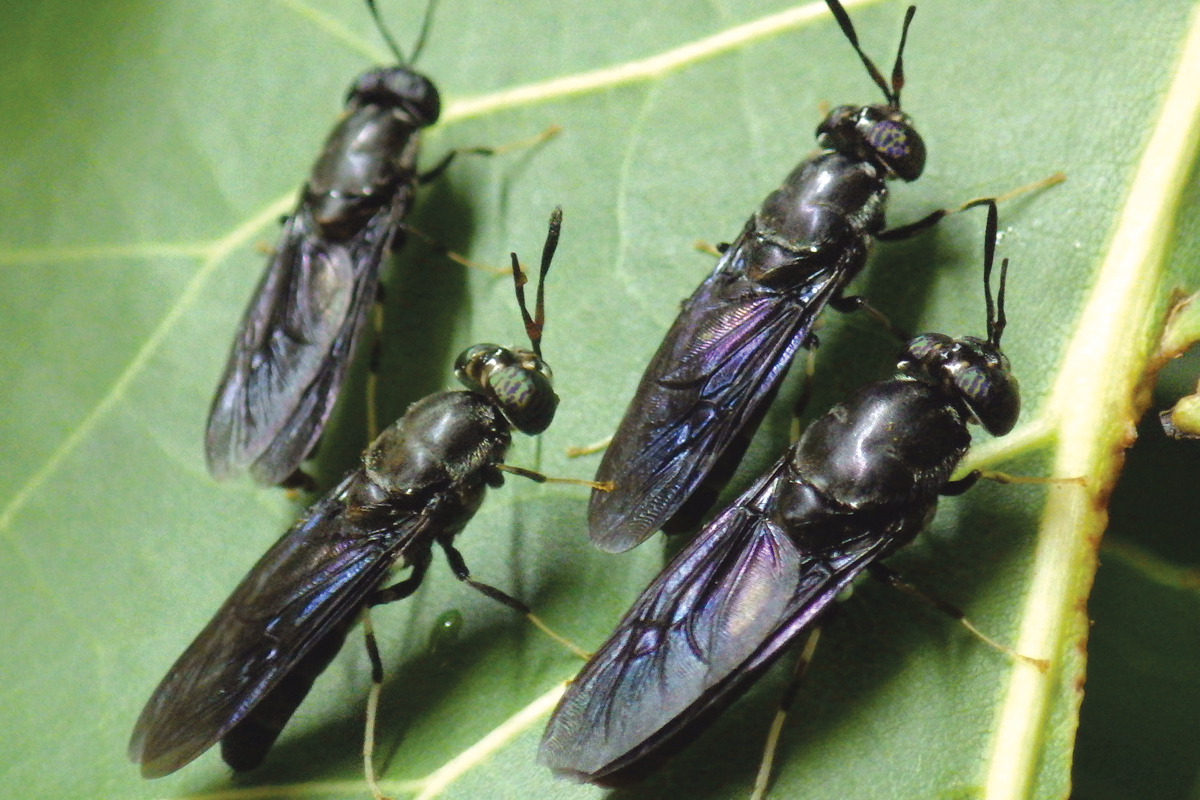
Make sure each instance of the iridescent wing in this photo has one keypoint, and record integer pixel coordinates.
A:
(707, 627)
(703, 393)
(310, 583)
(299, 333)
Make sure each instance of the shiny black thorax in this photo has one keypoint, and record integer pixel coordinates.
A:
(884, 454)
(369, 159)
(821, 218)
(441, 455)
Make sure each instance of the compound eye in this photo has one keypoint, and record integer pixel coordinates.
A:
(996, 401)
(985, 381)
(973, 370)
(879, 134)
(900, 147)
(526, 397)
(399, 87)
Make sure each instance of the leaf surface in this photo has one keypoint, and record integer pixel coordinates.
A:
(146, 152)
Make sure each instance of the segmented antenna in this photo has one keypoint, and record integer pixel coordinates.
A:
(391, 43)
(996, 319)
(535, 324)
(892, 93)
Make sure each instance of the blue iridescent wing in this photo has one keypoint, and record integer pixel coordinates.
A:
(311, 582)
(290, 357)
(699, 636)
(701, 396)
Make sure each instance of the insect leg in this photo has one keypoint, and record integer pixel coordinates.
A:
(716, 250)
(762, 781)
(459, 567)
(913, 228)
(856, 302)
(588, 449)
(442, 165)
(1004, 477)
(457, 258)
(436, 171)
(402, 589)
(933, 218)
(955, 488)
(368, 751)
(537, 477)
(397, 591)
(892, 579)
(300, 481)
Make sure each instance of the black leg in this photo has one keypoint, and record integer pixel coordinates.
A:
(933, 218)
(404, 588)
(859, 303)
(459, 567)
(955, 488)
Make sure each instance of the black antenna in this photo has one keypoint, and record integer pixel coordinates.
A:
(996, 319)
(535, 324)
(386, 34)
(1001, 319)
(421, 37)
(391, 43)
(891, 94)
(898, 68)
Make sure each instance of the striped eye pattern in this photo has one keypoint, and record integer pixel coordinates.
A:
(975, 370)
(890, 139)
(518, 381)
(526, 397)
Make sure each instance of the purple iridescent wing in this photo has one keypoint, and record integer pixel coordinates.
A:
(698, 637)
(702, 395)
(296, 340)
(310, 584)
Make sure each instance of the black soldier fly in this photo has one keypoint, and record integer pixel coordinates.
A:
(420, 482)
(709, 385)
(858, 485)
(299, 333)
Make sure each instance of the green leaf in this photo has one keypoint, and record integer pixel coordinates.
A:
(149, 147)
